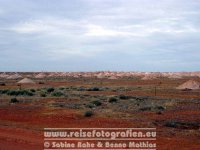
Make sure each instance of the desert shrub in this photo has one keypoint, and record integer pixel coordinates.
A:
(97, 103)
(19, 92)
(159, 112)
(88, 114)
(94, 89)
(43, 94)
(14, 100)
(29, 93)
(160, 108)
(152, 108)
(81, 89)
(3, 91)
(112, 100)
(123, 97)
(57, 94)
(81, 97)
(2, 84)
(172, 124)
(49, 90)
(148, 108)
(89, 105)
(72, 106)
(186, 89)
(32, 90)
(61, 88)
(141, 98)
(12, 92)
(25, 92)
(57, 104)
(182, 125)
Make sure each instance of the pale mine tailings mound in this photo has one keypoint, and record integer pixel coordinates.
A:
(26, 81)
(113, 78)
(40, 75)
(191, 84)
(14, 76)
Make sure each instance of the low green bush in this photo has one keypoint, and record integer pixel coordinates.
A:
(3, 91)
(89, 105)
(88, 114)
(57, 94)
(2, 84)
(123, 97)
(14, 100)
(32, 90)
(112, 100)
(96, 103)
(42, 94)
(49, 90)
(19, 93)
(94, 89)
(61, 88)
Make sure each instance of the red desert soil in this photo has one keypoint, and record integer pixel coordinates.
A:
(22, 125)
(21, 128)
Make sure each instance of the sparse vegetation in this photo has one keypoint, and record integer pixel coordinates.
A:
(32, 90)
(123, 97)
(112, 100)
(152, 108)
(41, 82)
(51, 89)
(102, 102)
(94, 89)
(57, 104)
(57, 94)
(3, 91)
(19, 93)
(43, 94)
(89, 106)
(2, 84)
(182, 125)
(96, 103)
(88, 114)
(147, 108)
(61, 88)
(14, 100)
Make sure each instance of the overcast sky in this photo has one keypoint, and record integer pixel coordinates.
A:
(93, 35)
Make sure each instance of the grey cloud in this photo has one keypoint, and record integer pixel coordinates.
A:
(99, 35)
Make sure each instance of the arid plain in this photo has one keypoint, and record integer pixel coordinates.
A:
(30, 102)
